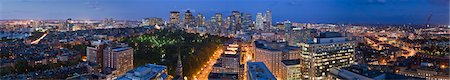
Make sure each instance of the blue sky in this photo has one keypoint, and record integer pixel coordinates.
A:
(314, 11)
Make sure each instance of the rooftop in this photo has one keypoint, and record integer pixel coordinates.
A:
(259, 71)
(274, 46)
(330, 35)
(223, 76)
(148, 71)
(291, 62)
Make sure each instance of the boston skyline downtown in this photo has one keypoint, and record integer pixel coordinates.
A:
(225, 39)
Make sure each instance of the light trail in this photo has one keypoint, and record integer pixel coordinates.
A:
(39, 39)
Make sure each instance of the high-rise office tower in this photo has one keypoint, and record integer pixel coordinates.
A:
(329, 50)
(246, 21)
(268, 20)
(236, 21)
(174, 18)
(188, 19)
(200, 20)
(237, 17)
(219, 18)
(259, 21)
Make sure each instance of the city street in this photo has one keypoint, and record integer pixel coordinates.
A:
(206, 69)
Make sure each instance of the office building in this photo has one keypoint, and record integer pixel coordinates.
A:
(268, 19)
(188, 19)
(292, 69)
(174, 17)
(272, 53)
(247, 21)
(259, 21)
(329, 50)
(200, 20)
(259, 71)
(219, 18)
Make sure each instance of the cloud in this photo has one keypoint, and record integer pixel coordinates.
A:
(93, 5)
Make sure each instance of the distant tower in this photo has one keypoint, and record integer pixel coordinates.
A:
(259, 21)
(108, 22)
(429, 19)
(236, 21)
(246, 21)
(68, 25)
(268, 19)
(219, 18)
(188, 19)
(174, 18)
(200, 20)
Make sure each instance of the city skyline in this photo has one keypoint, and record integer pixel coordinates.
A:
(225, 39)
(307, 11)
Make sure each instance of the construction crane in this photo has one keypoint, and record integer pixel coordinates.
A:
(429, 19)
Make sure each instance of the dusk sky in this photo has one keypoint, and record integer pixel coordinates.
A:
(313, 11)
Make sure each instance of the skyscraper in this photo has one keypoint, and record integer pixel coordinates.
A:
(259, 21)
(246, 21)
(264, 21)
(219, 18)
(236, 22)
(188, 19)
(174, 18)
(329, 50)
(200, 20)
(268, 19)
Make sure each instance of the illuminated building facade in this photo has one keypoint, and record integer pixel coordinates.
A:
(329, 50)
